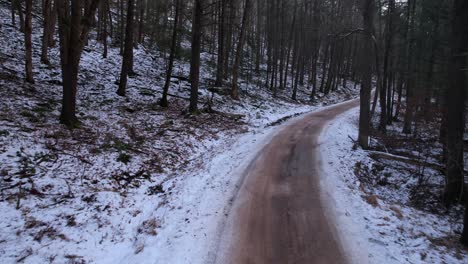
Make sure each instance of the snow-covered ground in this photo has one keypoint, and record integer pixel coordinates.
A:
(376, 217)
(135, 183)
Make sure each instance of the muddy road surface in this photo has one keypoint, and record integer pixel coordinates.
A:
(278, 215)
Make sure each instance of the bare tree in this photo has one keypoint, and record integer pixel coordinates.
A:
(46, 14)
(240, 46)
(74, 26)
(170, 65)
(456, 106)
(366, 83)
(28, 42)
(221, 44)
(128, 51)
(195, 57)
(17, 6)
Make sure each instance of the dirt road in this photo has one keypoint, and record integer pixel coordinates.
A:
(278, 215)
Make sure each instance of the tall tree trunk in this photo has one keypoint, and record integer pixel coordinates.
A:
(366, 85)
(324, 65)
(141, 24)
(106, 17)
(410, 82)
(385, 84)
(46, 13)
(52, 23)
(170, 65)
(13, 17)
(20, 14)
(258, 39)
(121, 26)
(28, 42)
(456, 104)
(195, 59)
(72, 41)
(128, 51)
(240, 45)
(110, 21)
(221, 47)
(229, 40)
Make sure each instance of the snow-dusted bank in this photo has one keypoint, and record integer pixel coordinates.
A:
(181, 225)
(377, 226)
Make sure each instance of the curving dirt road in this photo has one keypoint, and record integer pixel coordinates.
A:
(278, 215)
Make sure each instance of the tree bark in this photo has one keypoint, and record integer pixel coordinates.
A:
(28, 42)
(221, 47)
(456, 104)
(13, 17)
(366, 85)
(106, 17)
(128, 51)
(52, 23)
(195, 58)
(20, 14)
(385, 84)
(410, 81)
(72, 41)
(240, 45)
(170, 65)
(46, 12)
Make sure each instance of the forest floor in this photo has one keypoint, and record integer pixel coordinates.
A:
(135, 183)
(389, 210)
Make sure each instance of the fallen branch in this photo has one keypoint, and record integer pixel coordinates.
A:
(352, 139)
(355, 143)
(176, 96)
(218, 90)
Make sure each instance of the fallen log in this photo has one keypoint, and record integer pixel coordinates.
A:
(377, 155)
(219, 91)
(229, 115)
(182, 78)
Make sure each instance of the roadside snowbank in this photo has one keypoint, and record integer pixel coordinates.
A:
(377, 226)
(200, 203)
